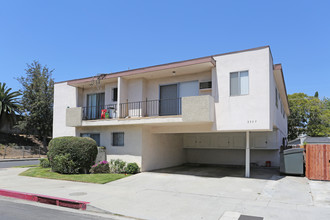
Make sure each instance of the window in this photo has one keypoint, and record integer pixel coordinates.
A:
(114, 94)
(95, 137)
(239, 83)
(276, 99)
(118, 139)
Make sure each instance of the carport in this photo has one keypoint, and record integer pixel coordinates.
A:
(219, 148)
(209, 148)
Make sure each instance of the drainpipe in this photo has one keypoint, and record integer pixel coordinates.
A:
(247, 155)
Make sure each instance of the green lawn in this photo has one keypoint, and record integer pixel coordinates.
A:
(88, 178)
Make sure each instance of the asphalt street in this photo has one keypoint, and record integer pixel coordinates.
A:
(11, 210)
(9, 164)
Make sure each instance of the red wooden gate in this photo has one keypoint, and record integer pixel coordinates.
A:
(318, 161)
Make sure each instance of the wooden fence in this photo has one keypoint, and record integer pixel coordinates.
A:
(318, 161)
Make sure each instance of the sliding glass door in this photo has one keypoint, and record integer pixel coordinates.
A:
(95, 103)
(170, 96)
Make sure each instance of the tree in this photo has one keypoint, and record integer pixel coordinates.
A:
(297, 120)
(8, 103)
(37, 100)
(308, 115)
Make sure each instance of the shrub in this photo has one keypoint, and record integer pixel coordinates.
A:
(44, 163)
(132, 168)
(101, 167)
(63, 164)
(117, 166)
(81, 151)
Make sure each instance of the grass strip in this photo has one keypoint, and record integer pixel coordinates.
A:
(101, 178)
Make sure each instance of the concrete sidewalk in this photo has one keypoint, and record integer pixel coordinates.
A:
(177, 196)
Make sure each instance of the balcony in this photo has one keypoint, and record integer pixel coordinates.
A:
(186, 109)
(148, 108)
(95, 112)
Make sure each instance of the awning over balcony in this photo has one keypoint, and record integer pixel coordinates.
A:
(203, 64)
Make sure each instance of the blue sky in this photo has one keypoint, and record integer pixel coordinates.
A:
(84, 38)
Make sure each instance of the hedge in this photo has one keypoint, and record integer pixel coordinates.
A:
(81, 151)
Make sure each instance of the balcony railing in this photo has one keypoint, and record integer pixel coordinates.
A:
(146, 108)
(151, 108)
(95, 112)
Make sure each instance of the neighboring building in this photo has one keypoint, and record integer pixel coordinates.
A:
(228, 109)
(309, 140)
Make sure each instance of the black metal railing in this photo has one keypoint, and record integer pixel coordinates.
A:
(95, 112)
(145, 108)
(151, 108)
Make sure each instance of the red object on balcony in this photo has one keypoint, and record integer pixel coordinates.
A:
(268, 163)
(103, 111)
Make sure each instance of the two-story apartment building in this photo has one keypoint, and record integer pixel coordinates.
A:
(227, 109)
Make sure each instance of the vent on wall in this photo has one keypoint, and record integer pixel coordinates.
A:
(205, 85)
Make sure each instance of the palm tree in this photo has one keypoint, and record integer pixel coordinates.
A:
(8, 102)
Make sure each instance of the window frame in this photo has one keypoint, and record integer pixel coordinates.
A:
(112, 138)
(114, 98)
(239, 82)
(276, 97)
(93, 133)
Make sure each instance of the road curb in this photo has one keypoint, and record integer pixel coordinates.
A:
(68, 203)
(23, 159)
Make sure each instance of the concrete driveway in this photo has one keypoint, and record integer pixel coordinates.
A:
(192, 193)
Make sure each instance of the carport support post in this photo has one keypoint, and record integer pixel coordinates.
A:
(247, 155)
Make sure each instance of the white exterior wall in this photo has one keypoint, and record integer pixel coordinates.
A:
(86, 91)
(245, 112)
(108, 93)
(276, 113)
(158, 150)
(122, 93)
(140, 89)
(161, 150)
(136, 90)
(277, 118)
(64, 96)
(153, 84)
(231, 157)
(132, 149)
(80, 102)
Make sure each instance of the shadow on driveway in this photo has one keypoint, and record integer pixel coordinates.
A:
(219, 171)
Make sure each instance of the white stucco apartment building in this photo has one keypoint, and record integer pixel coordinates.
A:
(226, 109)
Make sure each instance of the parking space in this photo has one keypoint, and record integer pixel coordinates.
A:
(222, 171)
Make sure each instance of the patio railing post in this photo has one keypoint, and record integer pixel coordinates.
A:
(146, 107)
